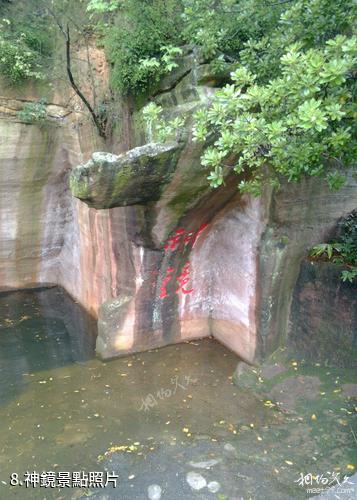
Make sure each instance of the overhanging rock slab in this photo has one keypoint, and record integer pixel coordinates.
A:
(136, 177)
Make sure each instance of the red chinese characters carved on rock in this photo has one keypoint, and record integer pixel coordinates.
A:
(183, 279)
(181, 235)
(167, 279)
(185, 238)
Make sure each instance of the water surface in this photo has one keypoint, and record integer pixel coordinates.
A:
(61, 409)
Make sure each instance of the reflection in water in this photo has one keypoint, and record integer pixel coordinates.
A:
(40, 329)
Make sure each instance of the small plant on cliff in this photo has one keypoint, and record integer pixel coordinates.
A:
(33, 112)
(159, 128)
(342, 250)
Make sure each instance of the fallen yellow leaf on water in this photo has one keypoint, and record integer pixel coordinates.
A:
(259, 438)
(350, 467)
(313, 417)
(294, 363)
(251, 425)
(269, 404)
(185, 430)
(288, 462)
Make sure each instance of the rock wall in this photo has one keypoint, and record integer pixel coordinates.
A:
(204, 262)
(324, 315)
(47, 236)
(184, 261)
(34, 201)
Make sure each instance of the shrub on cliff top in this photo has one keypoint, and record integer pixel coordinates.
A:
(141, 42)
(26, 41)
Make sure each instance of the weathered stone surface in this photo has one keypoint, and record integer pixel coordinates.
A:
(112, 314)
(324, 315)
(182, 261)
(243, 269)
(133, 178)
(300, 216)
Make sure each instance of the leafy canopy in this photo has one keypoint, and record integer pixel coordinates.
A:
(290, 109)
(299, 123)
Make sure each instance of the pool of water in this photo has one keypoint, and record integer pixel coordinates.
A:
(61, 409)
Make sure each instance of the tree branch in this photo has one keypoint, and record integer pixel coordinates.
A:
(75, 87)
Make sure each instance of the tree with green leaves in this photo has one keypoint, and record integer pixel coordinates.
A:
(300, 123)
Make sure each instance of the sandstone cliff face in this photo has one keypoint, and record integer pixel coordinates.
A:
(182, 263)
(324, 315)
(205, 262)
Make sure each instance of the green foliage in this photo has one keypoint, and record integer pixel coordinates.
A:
(307, 22)
(160, 129)
(344, 249)
(33, 112)
(141, 44)
(299, 123)
(18, 60)
(349, 275)
(101, 6)
(225, 25)
(26, 41)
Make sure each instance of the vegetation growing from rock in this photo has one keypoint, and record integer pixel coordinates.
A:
(33, 112)
(289, 110)
(342, 250)
(141, 43)
(25, 41)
